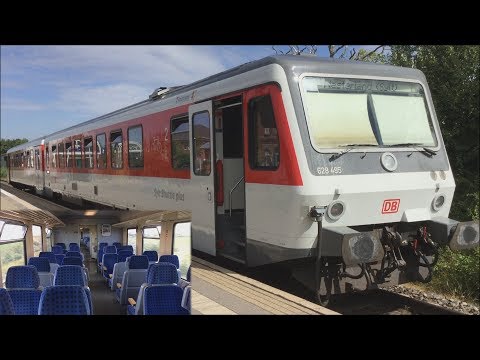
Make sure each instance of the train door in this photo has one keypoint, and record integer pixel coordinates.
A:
(230, 184)
(39, 169)
(202, 177)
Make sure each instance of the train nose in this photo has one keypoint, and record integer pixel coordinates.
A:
(466, 236)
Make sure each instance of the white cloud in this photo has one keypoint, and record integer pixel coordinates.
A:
(21, 105)
(98, 100)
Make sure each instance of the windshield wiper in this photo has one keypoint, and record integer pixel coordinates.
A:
(415, 145)
(350, 148)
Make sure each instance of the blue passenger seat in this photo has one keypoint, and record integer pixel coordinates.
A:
(64, 300)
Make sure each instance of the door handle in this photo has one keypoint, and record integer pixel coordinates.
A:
(209, 196)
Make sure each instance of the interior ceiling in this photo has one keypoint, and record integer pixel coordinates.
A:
(44, 218)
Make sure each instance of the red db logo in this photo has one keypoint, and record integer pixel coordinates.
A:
(390, 206)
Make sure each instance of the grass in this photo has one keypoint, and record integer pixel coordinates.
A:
(3, 173)
(458, 274)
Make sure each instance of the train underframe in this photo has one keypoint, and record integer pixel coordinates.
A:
(356, 259)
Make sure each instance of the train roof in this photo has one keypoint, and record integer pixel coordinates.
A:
(290, 63)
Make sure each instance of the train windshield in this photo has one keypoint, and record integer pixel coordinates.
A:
(347, 112)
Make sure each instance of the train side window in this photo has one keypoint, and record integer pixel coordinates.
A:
(180, 133)
(182, 245)
(132, 239)
(116, 149)
(61, 155)
(88, 152)
(264, 147)
(47, 156)
(101, 151)
(77, 150)
(37, 159)
(54, 156)
(151, 238)
(135, 147)
(37, 240)
(12, 246)
(201, 143)
(68, 152)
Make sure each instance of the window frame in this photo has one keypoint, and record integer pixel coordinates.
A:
(90, 137)
(252, 138)
(105, 162)
(111, 152)
(71, 155)
(172, 119)
(159, 237)
(194, 154)
(128, 146)
(173, 242)
(75, 153)
(61, 160)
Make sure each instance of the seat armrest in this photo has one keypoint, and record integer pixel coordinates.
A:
(132, 302)
(119, 285)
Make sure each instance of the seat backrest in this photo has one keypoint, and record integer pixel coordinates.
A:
(109, 261)
(22, 277)
(189, 274)
(123, 255)
(110, 249)
(42, 264)
(64, 247)
(163, 300)
(131, 282)
(151, 254)
(172, 259)
(162, 273)
(158, 274)
(73, 247)
(25, 301)
(72, 261)
(118, 270)
(49, 255)
(186, 302)
(59, 258)
(64, 300)
(137, 262)
(73, 254)
(6, 305)
(126, 247)
(70, 275)
(57, 249)
(117, 245)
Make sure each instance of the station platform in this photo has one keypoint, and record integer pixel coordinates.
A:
(219, 291)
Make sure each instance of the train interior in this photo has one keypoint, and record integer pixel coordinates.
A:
(95, 262)
(230, 207)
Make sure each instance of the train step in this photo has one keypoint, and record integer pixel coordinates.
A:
(233, 258)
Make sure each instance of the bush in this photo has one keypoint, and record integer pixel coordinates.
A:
(458, 274)
(3, 172)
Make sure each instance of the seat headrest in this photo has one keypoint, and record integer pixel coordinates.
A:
(137, 262)
(41, 263)
(162, 273)
(23, 277)
(172, 259)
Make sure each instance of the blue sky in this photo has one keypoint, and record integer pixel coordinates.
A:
(48, 88)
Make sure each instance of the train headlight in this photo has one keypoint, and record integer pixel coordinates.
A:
(389, 161)
(438, 201)
(335, 210)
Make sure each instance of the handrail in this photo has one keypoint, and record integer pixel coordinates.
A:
(230, 193)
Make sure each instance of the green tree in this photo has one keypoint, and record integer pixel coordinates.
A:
(6, 144)
(452, 73)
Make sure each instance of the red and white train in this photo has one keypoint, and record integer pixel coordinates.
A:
(325, 165)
